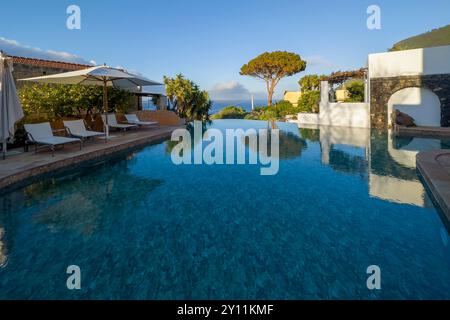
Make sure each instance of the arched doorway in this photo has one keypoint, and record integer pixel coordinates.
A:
(420, 103)
(381, 89)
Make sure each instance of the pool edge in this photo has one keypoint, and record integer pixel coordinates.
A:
(435, 178)
(30, 175)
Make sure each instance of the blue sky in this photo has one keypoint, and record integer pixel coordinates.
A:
(208, 41)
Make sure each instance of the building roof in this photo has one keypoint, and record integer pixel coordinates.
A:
(49, 63)
(146, 91)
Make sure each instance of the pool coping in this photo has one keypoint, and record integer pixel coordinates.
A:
(83, 158)
(436, 177)
(422, 131)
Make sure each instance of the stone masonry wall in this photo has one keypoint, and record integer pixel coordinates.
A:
(22, 71)
(381, 89)
(28, 71)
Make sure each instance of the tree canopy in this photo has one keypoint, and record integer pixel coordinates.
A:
(311, 82)
(186, 98)
(272, 67)
(51, 101)
(339, 77)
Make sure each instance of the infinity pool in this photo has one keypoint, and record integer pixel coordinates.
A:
(140, 227)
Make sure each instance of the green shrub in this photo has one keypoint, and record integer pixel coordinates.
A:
(230, 112)
(274, 112)
(311, 135)
(309, 102)
(51, 101)
(284, 108)
(355, 89)
(311, 82)
(187, 99)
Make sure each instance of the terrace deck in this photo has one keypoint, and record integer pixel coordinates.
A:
(19, 168)
(434, 167)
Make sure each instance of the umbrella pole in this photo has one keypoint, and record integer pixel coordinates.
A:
(105, 107)
(4, 149)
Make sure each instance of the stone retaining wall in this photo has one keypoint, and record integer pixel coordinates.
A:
(381, 89)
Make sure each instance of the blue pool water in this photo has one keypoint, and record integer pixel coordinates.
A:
(140, 227)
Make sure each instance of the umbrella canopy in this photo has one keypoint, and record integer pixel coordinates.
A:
(100, 75)
(10, 108)
(97, 76)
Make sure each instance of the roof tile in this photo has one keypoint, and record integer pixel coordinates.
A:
(49, 63)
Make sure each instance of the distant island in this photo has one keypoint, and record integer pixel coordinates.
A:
(435, 38)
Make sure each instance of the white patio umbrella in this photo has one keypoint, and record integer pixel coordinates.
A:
(10, 108)
(100, 75)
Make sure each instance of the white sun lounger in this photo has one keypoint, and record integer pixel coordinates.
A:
(112, 123)
(133, 119)
(77, 129)
(42, 134)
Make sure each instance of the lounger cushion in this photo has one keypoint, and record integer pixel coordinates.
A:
(55, 140)
(87, 134)
(78, 129)
(132, 118)
(39, 130)
(143, 123)
(112, 122)
(111, 119)
(122, 126)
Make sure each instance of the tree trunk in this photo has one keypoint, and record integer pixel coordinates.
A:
(271, 84)
(269, 98)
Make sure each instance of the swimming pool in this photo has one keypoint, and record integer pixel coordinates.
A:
(140, 227)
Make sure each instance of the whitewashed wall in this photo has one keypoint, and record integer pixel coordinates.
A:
(337, 114)
(345, 115)
(420, 103)
(308, 118)
(410, 62)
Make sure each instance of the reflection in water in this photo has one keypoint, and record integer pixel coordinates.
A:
(9, 204)
(147, 229)
(290, 147)
(3, 252)
(386, 162)
(397, 190)
(290, 143)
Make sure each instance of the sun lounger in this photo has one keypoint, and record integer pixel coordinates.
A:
(77, 129)
(42, 134)
(133, 119)
(112, 123)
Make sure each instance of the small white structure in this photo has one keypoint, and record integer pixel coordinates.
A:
(426, 61)
(400, 81)
(339, 114)
(409, 68)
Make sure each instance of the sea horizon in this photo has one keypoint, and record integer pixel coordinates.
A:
(245, 104)
(218, 105)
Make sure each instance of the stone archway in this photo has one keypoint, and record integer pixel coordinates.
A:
(421, 104)
(381, 89)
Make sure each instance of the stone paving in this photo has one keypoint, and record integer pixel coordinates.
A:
(19, 167)
(434, 167)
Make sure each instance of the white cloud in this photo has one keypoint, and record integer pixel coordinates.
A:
(15, 48)
(231, 90)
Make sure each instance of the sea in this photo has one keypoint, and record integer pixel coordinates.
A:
(219, 105)
(245, 104)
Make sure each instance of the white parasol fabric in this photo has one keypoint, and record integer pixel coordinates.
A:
(10, 108)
